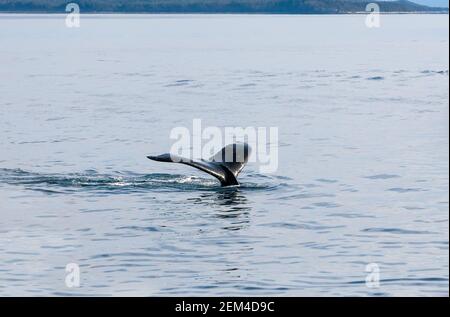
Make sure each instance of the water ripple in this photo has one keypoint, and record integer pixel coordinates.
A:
(121, 182)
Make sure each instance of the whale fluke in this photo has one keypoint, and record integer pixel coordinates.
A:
(225, 165)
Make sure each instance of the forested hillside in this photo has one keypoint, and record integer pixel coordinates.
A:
(212, 6)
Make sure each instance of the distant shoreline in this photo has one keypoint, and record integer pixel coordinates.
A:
(262, 7)
(219, 13)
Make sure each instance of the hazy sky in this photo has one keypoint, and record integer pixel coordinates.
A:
(433, 3)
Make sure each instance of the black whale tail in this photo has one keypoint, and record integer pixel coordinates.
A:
(225, 165)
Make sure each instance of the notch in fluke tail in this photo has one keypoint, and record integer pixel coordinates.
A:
(225, 165)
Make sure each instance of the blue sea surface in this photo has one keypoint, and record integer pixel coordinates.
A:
(363, 119)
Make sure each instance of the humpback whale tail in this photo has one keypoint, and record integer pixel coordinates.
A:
(225, 165)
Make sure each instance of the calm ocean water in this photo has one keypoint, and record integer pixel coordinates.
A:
(363, 160)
